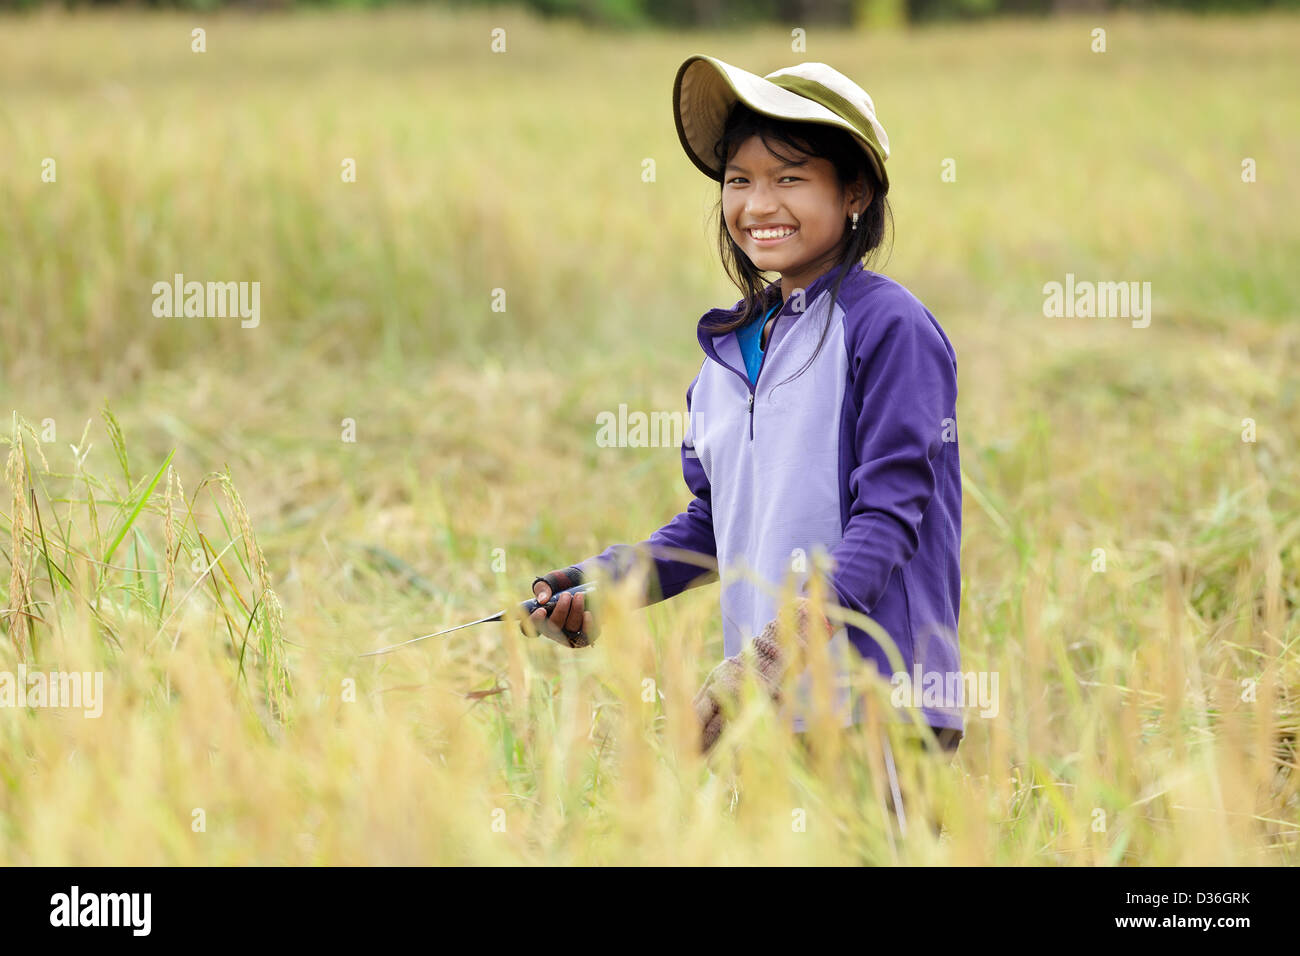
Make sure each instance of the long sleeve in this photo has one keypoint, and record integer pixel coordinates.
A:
(690, 531)
(904, 393)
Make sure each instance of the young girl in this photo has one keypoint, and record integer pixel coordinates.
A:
(824, 412)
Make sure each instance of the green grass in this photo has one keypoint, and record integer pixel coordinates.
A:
(239, 693)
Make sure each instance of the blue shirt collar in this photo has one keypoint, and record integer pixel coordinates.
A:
(770, 297)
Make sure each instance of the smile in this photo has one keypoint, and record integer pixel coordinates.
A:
(770, 237)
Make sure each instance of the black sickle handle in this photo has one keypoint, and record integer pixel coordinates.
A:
(532, 605)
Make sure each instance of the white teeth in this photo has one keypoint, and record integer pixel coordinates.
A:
(771, 233)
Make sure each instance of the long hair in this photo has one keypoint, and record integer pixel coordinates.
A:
(851, 166)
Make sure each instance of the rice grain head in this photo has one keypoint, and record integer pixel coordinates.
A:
(271, 647)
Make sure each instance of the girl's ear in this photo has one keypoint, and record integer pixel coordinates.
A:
(860, 196)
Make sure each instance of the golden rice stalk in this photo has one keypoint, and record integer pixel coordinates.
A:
(19, 583)
(170, 529)
(275, 672)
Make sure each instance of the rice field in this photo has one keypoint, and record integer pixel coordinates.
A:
(463, 258)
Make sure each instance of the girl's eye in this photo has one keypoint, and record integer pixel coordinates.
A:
(735, 179)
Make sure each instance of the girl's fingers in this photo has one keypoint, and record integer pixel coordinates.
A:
(573, 620)
(561, 612)
(553, 624)
(569, 614)
(711, 733)
(541, 622)
(542, 590)
(534, 623)
(705, 706)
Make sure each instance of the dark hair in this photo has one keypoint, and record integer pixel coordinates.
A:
(851, 166)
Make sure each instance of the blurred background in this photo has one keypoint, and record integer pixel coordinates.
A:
(717, 13)
(474, 231)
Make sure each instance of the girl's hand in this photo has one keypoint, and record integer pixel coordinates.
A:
(569, 623)
(716, 701)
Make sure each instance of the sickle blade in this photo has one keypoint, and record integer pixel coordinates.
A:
(392, 647)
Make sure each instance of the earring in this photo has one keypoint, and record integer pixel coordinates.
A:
(855, 222)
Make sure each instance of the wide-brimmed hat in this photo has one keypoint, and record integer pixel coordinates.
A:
(706, 89)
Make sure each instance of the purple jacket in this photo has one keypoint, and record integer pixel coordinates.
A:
(857, 456)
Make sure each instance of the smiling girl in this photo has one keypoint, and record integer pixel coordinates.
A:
(824, 412)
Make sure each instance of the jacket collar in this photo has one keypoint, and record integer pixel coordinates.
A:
(770, 296)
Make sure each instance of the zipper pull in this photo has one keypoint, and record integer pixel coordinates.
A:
(751, 403)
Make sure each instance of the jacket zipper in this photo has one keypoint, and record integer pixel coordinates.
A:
(753, 386)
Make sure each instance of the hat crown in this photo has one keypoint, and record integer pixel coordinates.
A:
(706, 89)
(842, 86)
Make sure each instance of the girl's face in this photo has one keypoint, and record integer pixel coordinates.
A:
(760, 190)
